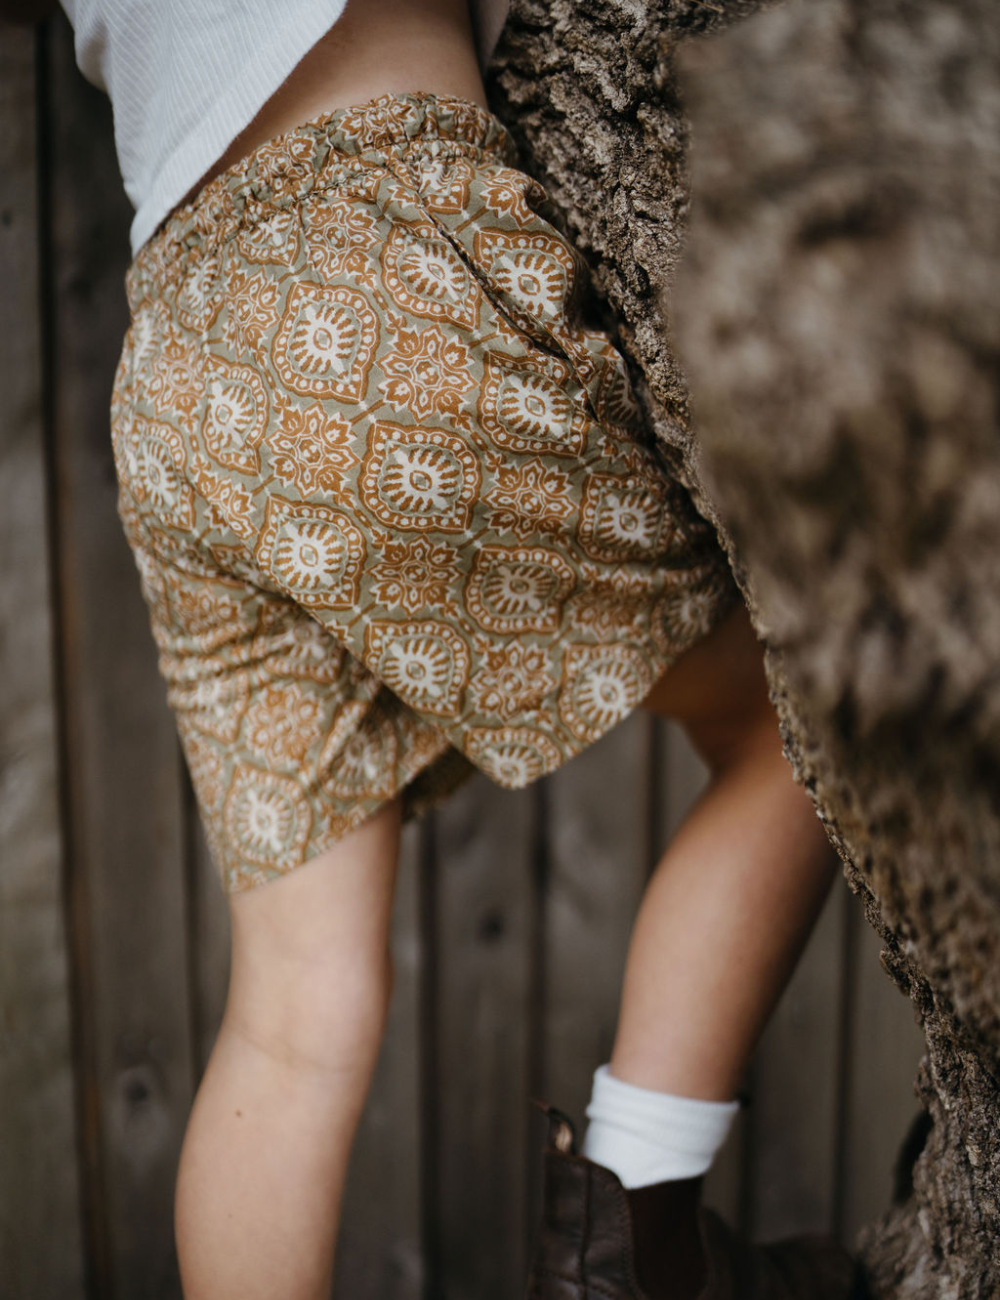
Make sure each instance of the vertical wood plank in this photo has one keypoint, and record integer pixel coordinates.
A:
(125, 797)
(885, 1047)
(681, 777)
(794, 1113)
(41, 1249)
(211, 938)
(142, 889)
(380, 1248)
(598, 861)
(476, 1083)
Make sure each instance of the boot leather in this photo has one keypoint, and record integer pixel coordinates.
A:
(584, 1248)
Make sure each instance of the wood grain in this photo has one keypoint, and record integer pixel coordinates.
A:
(793, 1115)
(41, 1249)
(480, 1032)
(380, 1249)
(127, 885)
(512, 914)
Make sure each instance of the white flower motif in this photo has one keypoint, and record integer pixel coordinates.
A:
(230, 413)
(416, 665)
(309, 553)
(631, 517)
(536, 279)
(328, 336)
(264, 820)
(420, 479)
(360, 760)
(512, 766)
(434, 272)
(533, 406)
(514, 588)
(607, 691)
(157, 469)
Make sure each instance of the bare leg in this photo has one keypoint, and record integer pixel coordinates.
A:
(265, 1154)
(731, 903)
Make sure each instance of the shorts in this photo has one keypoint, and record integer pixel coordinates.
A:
(389, 497)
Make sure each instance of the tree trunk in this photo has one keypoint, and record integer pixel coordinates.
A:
(838, 311)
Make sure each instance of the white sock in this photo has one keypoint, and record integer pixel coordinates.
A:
(647, 1137)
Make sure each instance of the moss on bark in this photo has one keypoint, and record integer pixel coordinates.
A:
(834, 295)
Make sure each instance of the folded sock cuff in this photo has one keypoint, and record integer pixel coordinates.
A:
(646, 1136)
(627, 1103)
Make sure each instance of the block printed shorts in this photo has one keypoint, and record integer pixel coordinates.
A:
(390, 500)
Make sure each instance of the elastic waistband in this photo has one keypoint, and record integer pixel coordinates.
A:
(282, 171)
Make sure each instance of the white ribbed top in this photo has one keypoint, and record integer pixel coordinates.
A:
(186, 76)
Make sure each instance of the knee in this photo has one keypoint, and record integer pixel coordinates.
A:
(312, 970)
(315, 1017)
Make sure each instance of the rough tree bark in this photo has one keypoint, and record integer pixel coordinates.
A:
(837, 307)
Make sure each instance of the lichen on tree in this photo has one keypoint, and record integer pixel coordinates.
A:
(791, 217)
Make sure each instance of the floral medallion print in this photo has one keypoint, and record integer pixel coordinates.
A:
(528, 499)
(427, 663)
(283, 723)
(512, 679)
(615, 401)
(267, 817)
(428, 373)
(523, 409)
(609, 606)
(512, 756)
(315, 553)
(147, 331)
(601, 686)
(390, 502)
(236, 410)
(419, 478)
(341, 230)
(504, 191)
(380, 123)
(326, 342)
(535, 273)
(286, 646)
(152, 580)
(518, 589)
(228, 503)
(686, 607)
(310, 449)
(415, 574)
(212, 701)
(618, 522)
(274, 239)
(206, 766)
(366, 761)
(251, 302)
(198, 303)
(426, 277)
(151, 459)
(213, 612)
(443, 180)
(176, 382)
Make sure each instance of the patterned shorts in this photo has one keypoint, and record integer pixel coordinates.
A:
(389, 497)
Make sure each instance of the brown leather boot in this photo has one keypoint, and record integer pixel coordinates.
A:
(586, 1245)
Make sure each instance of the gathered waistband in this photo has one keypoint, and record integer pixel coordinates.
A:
(282, 171)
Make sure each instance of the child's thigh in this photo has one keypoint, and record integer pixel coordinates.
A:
(328, 912)
(311, 970)
(717, 689)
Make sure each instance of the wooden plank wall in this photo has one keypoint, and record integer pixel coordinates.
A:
(512, 915)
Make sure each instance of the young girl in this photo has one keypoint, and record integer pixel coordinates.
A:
(396, 519)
